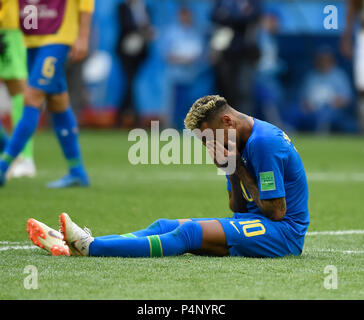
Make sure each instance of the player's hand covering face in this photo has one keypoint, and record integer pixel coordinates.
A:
(224, 155)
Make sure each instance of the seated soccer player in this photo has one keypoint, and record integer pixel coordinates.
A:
(268, 194)
(63, 33)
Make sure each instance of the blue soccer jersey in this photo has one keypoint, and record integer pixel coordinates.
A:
(272, 159)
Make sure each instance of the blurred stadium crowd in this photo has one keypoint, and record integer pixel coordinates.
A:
(273, 59)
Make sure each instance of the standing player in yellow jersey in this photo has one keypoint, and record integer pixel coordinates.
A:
(54, 30)
(13, 71)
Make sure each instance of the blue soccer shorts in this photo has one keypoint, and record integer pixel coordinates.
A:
(46, 68)
(253, 235)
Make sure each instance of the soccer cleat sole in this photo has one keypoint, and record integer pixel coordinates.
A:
(62, 226)
(35, 230)
(59, 251)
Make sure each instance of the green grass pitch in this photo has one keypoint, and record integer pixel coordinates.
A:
(124, 198)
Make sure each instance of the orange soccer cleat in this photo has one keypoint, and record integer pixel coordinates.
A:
(47, 238)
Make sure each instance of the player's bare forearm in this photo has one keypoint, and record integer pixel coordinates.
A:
(85, 24)
(274, 209)
(237, 203)
(80, 47)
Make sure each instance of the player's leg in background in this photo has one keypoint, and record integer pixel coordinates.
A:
(66, 129)
(50, 75)
(24, 130)
(16, 89)
(3, 138)
(47, 78)
(35, 96)
(24, 166)
(16, 114)
(13, 66)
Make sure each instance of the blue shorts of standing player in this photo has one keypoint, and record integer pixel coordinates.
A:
(46, 67)
(47, 84)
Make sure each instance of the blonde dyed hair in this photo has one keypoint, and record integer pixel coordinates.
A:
(203, 109)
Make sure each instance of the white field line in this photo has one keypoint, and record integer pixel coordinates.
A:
(334, 233)
(336, 176)
(10, 242)
(335, 250)
(17, 247)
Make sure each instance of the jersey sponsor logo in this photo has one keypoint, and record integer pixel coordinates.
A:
(267, 182)
(41, 17)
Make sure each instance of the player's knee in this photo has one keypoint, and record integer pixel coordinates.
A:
(163, 225)
(157, 223)
(34, 97)
(58, 102)
(191, 232)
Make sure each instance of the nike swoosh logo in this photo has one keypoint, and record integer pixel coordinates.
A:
(54, 235)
